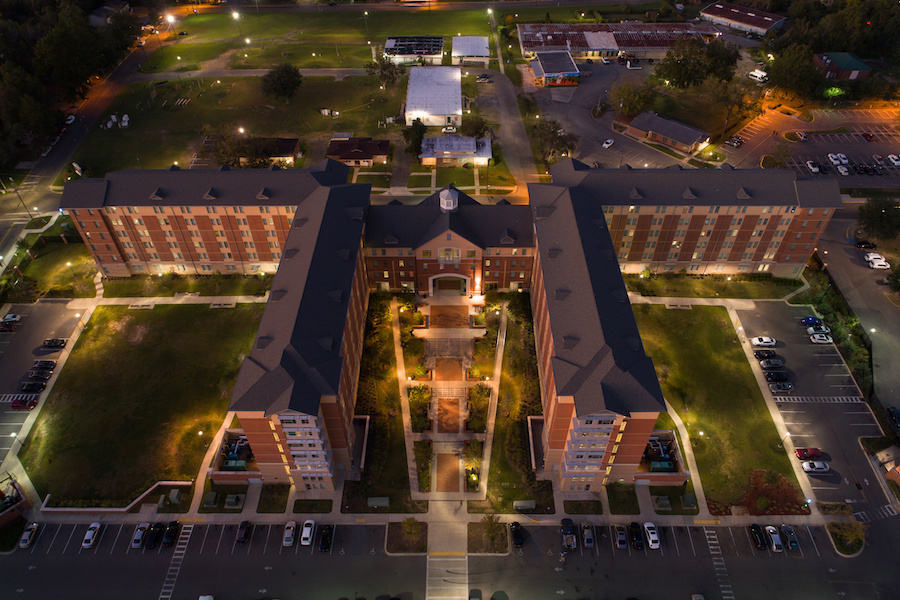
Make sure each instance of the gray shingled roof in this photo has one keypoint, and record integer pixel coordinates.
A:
(484, 225)
(202, 187)
(296, 357)
(599, 358)
(685, 134)
(700, 187)
(556, 62)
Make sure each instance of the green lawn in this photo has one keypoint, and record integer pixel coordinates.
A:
(622, 499)
(169, 285)
(273, 498)
(136, 390)
(58, 270)
(479, 399)
(419, 403)
(706, 377)
(304, 505)
(424, 455)
(458, 176)
(161, 134)
(711, 286)
(583, 507)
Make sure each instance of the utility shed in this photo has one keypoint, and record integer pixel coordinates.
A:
(471, 50)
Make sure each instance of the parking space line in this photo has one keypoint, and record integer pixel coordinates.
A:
(268, 533)
(815, 546)
(675, 541)
(58, 527)
(203, 542)
(66, 547)
(734, 541)
(116, 541)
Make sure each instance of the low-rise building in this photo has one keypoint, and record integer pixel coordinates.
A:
(414, 49)
(358, 151)
(651, 126)
(841, 65)
(471, 50)
(554, 69)
(282, 151)
(434, 96)
(455, 150)
(742, 18)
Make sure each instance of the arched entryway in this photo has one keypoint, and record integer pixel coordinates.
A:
(449, 285)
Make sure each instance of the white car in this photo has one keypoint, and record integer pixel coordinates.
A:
(813, 167)
(866, 257)
(289, 529)
(833, 159)
(137, 540)
(604, 60)
(90, 537)
(878, 264)
(843, 170)
(817, 329)
(607, 143)
(802, 136)
(29, 535)
(814, 466)
(652, 535)
(308, 532)
(448, 130)
(46, 150)
(821, 338)
(894, 160)
(843, 159)
(70, 119)
(11, 318)
(774, 539)
(763, 342)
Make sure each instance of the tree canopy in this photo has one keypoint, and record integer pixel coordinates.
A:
(386, 71)
(554, 140)
(689, 62)
(631, 97)
(880, 217)
(793, 70)
(282, 81)
(414, 134)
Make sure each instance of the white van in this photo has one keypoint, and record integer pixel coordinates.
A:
(759, 76)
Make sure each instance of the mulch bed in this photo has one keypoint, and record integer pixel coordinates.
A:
(448, 369)
(448, 415)
(779, 497)
(445, 317)
(447, 478)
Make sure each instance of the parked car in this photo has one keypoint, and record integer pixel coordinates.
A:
(448, 129)
(868, 136)
(70, 119)
(802, 136)
(91, 535)
(515, 532)
(23, 404)
(833, 159)
(878, 159)
(568, 535)
(325, 538)
(652, 535)
(771, 363)
(761, 354)
(55, 342)
(843, 170)
(776, 376)
(810, 321)
(45, 364)
(308, 532)
(821, 338)
(894, 160)
(843, 158)
(812, 166)
(587, 534)
(245, 529)
(290, 528)
(137, 539)
(42, 374)
(759, 540)
(7, 326)
(637, 536)
(604, 60)
(872, 256)
(11, 318)
(808, 453)
(33, 386)
(781, 387)
(153, 535)
(621, 537)
(818, 329)
(608, 143)
(29, 535)
(763, 341)
(790, 538)
(878, 264)
(894, 414)
(171, 534)
(815, 466)
(774, 538)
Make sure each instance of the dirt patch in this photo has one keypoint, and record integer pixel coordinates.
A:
(447, 473)
(767, 493)
(449, 317)
(448, 415)
(120, 325)
(136, 335)
(448, 369)
(478, 542)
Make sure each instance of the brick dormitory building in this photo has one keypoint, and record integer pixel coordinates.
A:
(294, 397)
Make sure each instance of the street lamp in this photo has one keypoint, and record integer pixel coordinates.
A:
(170, 19)
(237, 17)
(74, 274)
(366, 19)
(786, 436)
(179, 67)
(727, 281)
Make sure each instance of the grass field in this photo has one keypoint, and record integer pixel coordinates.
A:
(706, 377)
(710, 286)
(169, 285)
(136, 390)
(161, 134)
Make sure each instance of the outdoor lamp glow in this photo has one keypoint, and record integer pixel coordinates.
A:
(235, 15)
(170, 18)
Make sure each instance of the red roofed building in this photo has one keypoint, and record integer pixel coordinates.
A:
(742, 18)
(358, 151)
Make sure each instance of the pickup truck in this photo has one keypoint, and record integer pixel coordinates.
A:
(569, 534)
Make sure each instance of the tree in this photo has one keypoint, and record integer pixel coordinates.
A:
(880, 217)
(282, 81)
(473, 126)
(631, 97)
(732, 96)
(229, 147)
(782, 153)
(685, 64)
(414, 134)
(493, 528)
(386, 71)
(793, 70)
(70, 52)
(554, 140)
(721, 59)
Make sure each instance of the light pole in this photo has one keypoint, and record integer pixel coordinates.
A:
(170, 20)
(366, 19)
(177, 73)
(786, 436)
(71, 268)
(237, 17)
(727, 281)
(16, 189)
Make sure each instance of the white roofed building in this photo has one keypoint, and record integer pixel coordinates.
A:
(434, 96)
(471, 50)
(455, 150)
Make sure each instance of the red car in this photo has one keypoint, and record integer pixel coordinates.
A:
(23, 404)
(808, 453)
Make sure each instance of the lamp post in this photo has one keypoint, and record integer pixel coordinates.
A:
(178, 73)
(170, 20)
(727, 281)
(71, 268)
(16, 190)
(237, 17)
(366, 19)
(786, 436)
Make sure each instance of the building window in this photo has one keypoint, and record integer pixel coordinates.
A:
(426, 253)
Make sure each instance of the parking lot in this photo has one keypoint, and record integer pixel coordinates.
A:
(825, 410)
